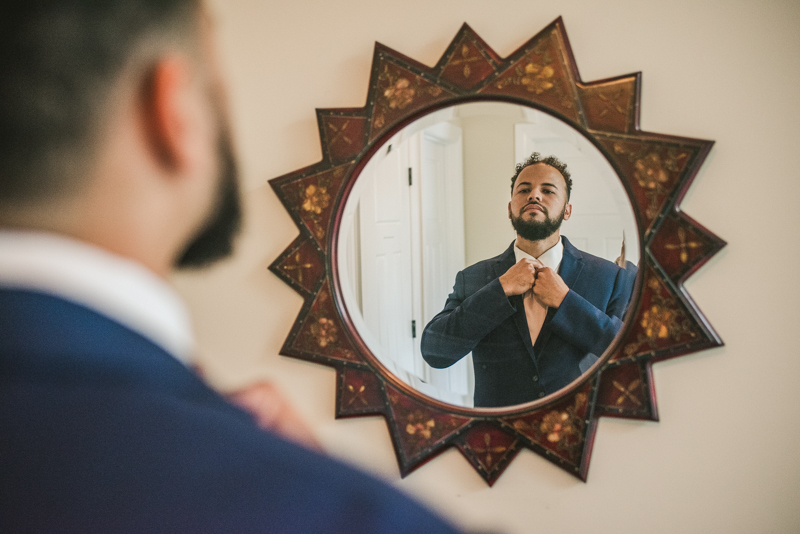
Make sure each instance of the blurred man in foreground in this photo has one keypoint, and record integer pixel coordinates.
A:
(115, 167)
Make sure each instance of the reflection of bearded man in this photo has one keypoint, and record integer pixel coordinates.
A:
(539, 315)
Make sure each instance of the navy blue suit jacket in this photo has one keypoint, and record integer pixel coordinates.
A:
(509, 368)
(102, 431)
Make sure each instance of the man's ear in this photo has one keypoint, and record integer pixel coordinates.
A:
(509, 210)
(567, 211)
(167, 110)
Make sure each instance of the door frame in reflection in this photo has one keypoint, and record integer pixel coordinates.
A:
(408, 271)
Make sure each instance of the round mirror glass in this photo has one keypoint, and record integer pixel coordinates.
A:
(425, 235)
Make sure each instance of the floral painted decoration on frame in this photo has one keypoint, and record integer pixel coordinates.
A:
(655, 169)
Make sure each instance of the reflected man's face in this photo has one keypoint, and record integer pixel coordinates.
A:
(539, 202)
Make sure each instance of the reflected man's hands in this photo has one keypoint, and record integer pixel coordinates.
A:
(521, 277)
(529, 274)
(549, 287)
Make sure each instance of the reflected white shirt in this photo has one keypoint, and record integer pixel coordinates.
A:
(550, 258)
(111, 285)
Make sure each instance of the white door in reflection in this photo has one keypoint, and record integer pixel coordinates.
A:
(441, 193)
(386, 278)
(404, 247)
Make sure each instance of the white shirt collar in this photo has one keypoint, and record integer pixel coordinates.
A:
(116, 287)
(550, 258)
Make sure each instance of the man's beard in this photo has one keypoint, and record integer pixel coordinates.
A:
(214, 241)
(534, 230)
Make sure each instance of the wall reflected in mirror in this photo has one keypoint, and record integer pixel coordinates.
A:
(433, 199)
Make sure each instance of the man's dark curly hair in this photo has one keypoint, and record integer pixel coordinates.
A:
(552, 161)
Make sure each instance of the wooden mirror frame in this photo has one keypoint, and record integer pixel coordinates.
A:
(656, 171)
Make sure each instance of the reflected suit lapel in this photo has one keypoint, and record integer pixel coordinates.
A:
(571, 263)
(504, 263)
(569, 270)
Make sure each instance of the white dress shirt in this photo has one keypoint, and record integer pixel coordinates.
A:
(111, 285)
(535, 310)
(550, 258)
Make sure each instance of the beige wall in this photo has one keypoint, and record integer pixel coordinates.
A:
(488, 164)
(724, 457)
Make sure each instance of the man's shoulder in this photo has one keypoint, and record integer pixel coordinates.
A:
(196, 456)
(596, 263)
(96, 410)
(79, 392)
(489, 263)
(51, 340)
(603, 271)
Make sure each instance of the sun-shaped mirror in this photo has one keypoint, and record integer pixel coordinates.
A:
(418, 123)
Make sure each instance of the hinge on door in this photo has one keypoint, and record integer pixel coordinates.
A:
(413, 328)
(409, 176)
